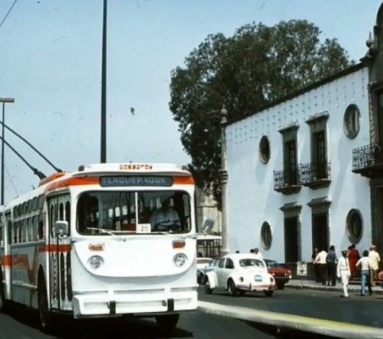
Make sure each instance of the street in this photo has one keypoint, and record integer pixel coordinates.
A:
(309, 303)
(316, 304)
(191, 325)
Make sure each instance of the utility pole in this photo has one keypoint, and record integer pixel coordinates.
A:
(3, 101)
(103, 84)
(224, 177)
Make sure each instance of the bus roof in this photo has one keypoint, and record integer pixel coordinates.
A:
(93, 171)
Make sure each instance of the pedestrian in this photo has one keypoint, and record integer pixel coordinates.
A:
(257, 253)
(344, 272)
(316, 266)
(353, 257)
(331, 262)
(365, 266)
(320, 260)
(375, 260)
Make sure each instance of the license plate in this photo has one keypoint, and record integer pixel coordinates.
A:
(258, 278)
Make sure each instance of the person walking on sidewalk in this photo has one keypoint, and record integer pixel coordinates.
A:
(316, 266)
(353, 257)
(320, 260)
(331, 261)
(365, 266)
(375, 259)
(344, 272)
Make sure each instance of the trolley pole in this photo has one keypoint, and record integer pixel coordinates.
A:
(224, 177)
(3, 101)
(103, 84)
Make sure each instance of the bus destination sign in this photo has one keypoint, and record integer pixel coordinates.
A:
(117, 181)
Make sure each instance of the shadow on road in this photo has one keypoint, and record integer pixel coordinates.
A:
(68, 328)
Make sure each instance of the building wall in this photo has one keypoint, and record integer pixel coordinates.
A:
(251, 196)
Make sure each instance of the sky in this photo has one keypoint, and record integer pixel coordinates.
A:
(50, 62)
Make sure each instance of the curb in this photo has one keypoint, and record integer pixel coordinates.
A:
(328, 288)
(293, 322)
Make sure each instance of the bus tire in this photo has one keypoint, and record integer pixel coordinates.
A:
(45, 315)
(167, 324)
(3, 302)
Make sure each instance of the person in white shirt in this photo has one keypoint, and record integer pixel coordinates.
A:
(344, 272)
(321, 260)
(365, 266)
(375, 260)
(257, 253)
(165, 218)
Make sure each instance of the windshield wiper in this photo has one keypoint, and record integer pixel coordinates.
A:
(101, 230)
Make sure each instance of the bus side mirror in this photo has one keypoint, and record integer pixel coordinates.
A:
(61, 228)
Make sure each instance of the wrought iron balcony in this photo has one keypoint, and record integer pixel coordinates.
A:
(287, 181)
(367, 159)
(315, 174)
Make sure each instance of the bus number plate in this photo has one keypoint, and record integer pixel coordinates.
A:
(143, 228)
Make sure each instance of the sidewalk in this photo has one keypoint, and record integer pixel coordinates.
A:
(312, 285)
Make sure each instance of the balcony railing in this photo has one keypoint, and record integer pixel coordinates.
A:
(365, 157)
(315, 173)
(287, 181)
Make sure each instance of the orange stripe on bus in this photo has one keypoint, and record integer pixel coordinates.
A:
(95, 180)
(6, 260)
(51, 178)
(55, 248)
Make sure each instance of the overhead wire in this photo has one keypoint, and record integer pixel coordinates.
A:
(8, 13)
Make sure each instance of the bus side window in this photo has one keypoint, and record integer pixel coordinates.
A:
(23, 231)
(14, 232)
(1, 235)
(67, 213)
(40, 234)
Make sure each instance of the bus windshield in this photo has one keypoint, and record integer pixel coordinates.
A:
(111, 212)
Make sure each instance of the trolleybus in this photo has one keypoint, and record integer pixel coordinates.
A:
(105, 241)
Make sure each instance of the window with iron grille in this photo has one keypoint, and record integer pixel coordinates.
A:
(291, 162)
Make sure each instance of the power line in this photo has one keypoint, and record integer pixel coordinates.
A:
(7, 15)
(10, 179)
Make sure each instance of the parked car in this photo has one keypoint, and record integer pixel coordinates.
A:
(238, 273)
(202, 263)
(281, 275)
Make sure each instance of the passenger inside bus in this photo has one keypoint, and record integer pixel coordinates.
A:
(165, 218)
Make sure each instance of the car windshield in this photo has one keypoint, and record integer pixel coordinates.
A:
(107, 213)
(271, 263)
(251, 262)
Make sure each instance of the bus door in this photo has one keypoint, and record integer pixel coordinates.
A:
(60, 282)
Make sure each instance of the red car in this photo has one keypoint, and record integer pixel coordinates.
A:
(280, 274)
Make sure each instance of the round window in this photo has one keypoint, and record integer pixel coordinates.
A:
(352, 121)
(266, 235)
(354, 226)
(264, 149)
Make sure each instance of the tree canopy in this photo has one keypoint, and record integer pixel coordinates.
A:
(245, 72)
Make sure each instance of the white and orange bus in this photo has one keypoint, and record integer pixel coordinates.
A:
(105, 241)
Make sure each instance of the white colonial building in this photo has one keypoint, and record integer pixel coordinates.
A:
(291, 187)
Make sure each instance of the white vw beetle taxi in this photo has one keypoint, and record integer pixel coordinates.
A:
(238, 273)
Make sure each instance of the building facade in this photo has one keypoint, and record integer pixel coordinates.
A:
(368, 159)
(291, 184)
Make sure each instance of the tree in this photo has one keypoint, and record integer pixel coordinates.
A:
(253, 68)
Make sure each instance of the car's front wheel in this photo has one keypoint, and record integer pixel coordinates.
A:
(167, 324)
(208, 290)
(269, 293)
(281, 286)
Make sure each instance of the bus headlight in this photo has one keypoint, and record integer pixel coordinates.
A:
(180, 259)
(95, 262)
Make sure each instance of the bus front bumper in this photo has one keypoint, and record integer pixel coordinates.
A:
(136, 303)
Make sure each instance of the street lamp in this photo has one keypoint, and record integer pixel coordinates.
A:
(3, 101)
(224, 177)
(103, 84)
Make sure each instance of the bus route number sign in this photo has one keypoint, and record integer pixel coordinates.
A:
(135, 167)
